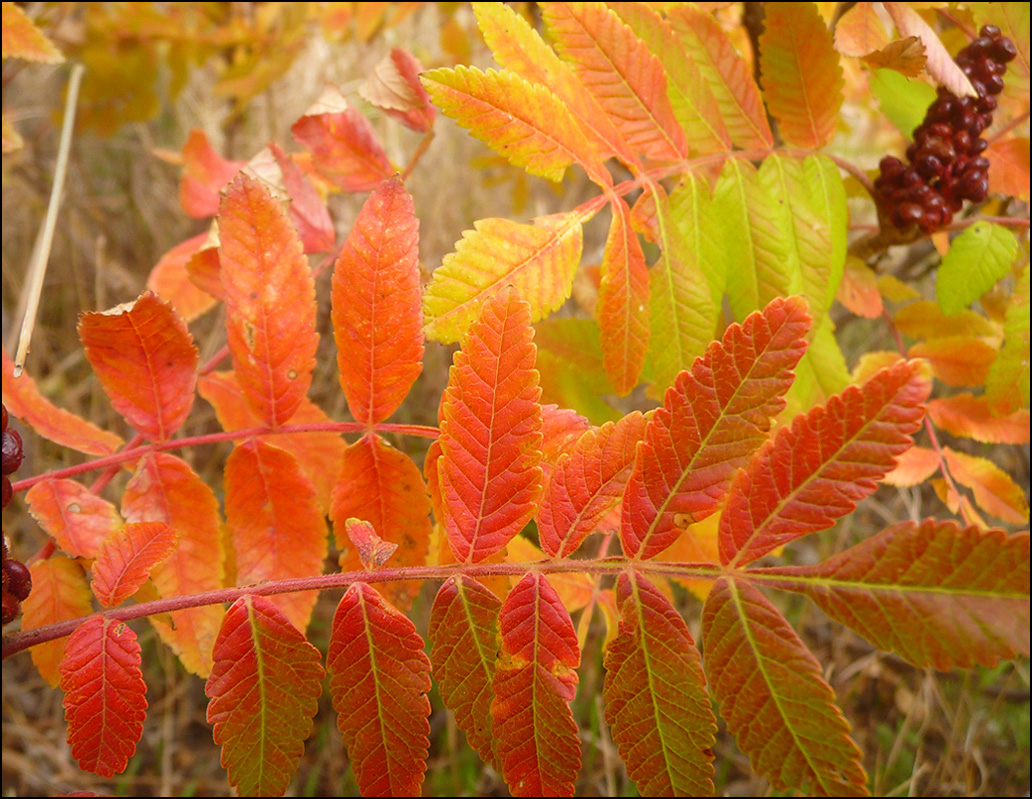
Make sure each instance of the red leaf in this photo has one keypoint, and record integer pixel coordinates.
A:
(59, 593)
(728, 75)
(23, 401)
(104, 695)
(535, 681)
(277, 529)
(165, 489)
(264, 690)
(170, 280)
(587, 484)
(308, 213)
(655, 696)
(382, 486)
(778, 707)
(617, 68)
(318, 454)
(394, 86)
(623, 301)
(205, 174)
(463, 638)
(712, 419)
(125, 560)
(802, 77)
(377, 305)
(490, 473)
(146, 361)
(936, 594)
(270, 301)
(379, 678)
(560, 429)
(76, 518)
(344, 146)
(816, 471)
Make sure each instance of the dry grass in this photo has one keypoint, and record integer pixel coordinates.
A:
(965, 733)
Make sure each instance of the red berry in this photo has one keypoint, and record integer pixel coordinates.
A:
(12, 451)
(19, 579)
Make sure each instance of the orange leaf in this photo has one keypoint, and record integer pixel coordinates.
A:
(318, 454)
(957, 360)
(382, 486)
(995, 490)
(778, 707)
(165, 489)
(655, 696)
(344, 145)
(394, 86)
(125, 560)
(535, 681)
(377, 314)
(22, 39)
(913, 467)
(379, 678)
(617, 68)
(59, 593)
(801, 74)
(728, 75)
(23, 400)
(940, 64)
(623, 301)
(170, 280)
(373, 551)
(277, 529)
(925, 319)
(814, 472)
(205, 174)
(490, 472)
(858, 290)
(587, 484)
(1009, 167)
(860, 31)
(270, 301)
(712, 420)
(971, 417)
(76, 518)
(308, 213)
(146, 361)
(463, 639)
(205, 271)
(104, 695)
(906, 56)
(264, 691)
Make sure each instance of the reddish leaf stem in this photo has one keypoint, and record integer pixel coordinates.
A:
(16, 642)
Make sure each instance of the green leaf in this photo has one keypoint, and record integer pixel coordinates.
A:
(977, 259)
(902, 100)
(1009, 375)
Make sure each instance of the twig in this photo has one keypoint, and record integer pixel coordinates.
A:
(38, 268)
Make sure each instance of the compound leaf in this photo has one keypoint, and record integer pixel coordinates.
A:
(264, 691)
(270, 301)
(655, 696)
(379, 678)
(815, 471)
(490, 471)
(104, 695)
(712, 419)
(146, 361)
(535, 681)
(936, 594)
(463, 638)
(275, 525)
(780, 710)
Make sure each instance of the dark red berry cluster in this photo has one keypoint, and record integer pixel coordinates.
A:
(946, 163)
(17, 579)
